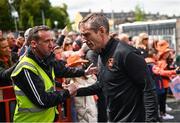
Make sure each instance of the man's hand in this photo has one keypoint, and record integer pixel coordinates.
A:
(91, 70)
(72, 88)
(65, 31)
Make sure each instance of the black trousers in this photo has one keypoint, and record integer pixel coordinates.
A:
(162, 101)
(2, 112)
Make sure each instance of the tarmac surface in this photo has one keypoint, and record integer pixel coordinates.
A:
(175, 105)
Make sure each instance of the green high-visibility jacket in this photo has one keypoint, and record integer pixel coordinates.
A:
(25, 110)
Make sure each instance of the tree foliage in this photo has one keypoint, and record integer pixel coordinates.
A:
(32, 13)
(139, 13)
(59, 14)
(6, 22)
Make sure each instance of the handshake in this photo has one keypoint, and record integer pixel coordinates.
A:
(71, 87)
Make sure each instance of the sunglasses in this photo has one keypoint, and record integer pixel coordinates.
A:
(67, 44)
(145, 38)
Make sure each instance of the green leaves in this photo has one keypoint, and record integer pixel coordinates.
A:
(139, 13)
(32, 13)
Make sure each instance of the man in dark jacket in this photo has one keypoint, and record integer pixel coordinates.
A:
(7, 61)
(34, 82)
(123, 75)
(7, 64)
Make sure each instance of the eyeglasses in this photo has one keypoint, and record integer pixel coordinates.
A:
(67, 44)
(145, 38)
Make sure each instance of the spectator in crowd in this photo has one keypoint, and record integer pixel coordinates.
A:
(92, 57)
(61, 37)
(77, 44)
(134, 40)
(73, 35)
(24, 48)
(161, 46)
(34, 79)
(58, 52)
(123, 74)
(1, 34)
(67, 48)
(151, 61)
(142, 44)
(154, 44)
(67, 44)
(85, 106)
(124, 37)
(19, 43)
(166, 75)
(7, 59)
(171, 64)
(11, 40)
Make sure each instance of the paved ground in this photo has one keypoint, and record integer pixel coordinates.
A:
(175, 105)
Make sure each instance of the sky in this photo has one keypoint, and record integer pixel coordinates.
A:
(169, 7)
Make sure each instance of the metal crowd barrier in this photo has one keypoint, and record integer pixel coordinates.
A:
(65, 108)
(64, 111)
(6, 96)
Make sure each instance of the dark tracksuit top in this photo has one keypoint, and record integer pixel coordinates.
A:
(47, 99)
(6, 70)
(128, 89)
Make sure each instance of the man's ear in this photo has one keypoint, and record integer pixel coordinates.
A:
(102, 29)
(33, 44)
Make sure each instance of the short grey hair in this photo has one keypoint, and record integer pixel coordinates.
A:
(95, 20)
(33, 33)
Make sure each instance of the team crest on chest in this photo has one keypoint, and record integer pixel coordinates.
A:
(110, 63)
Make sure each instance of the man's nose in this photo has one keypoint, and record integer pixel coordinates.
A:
(51, 43)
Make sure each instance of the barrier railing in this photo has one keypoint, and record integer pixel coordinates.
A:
(6, 96)
(65, 111)
(65, 108)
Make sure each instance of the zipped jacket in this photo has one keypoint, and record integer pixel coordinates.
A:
(25, 109)
(34, 83)
(125, 82)
(129, 90)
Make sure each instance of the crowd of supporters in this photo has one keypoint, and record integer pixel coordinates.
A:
(69, 47)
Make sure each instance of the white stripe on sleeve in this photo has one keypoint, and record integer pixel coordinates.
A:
(33, 87)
